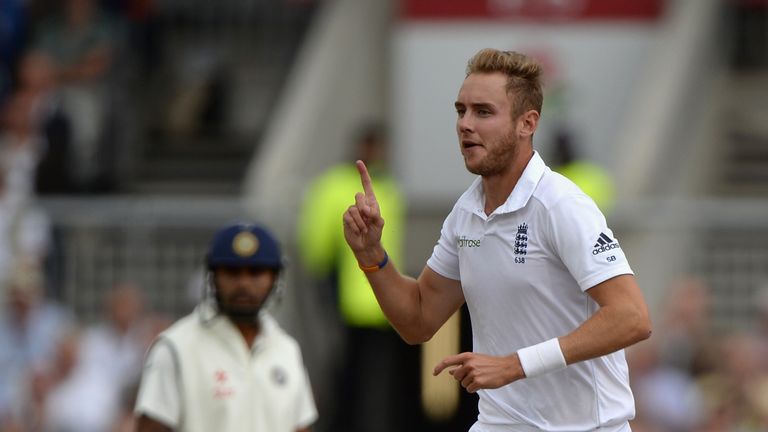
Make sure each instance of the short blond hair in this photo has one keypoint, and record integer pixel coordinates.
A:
(523, 76)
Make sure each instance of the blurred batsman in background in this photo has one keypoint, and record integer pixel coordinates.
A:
(552, 298)
(228, 366)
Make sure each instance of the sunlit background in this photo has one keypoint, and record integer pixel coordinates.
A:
(131, 129)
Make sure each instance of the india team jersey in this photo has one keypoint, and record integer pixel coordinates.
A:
(200, 376)
(525, 270)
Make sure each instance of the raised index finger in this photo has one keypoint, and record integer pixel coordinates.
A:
(365, 178)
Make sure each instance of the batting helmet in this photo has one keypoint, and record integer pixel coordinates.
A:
(244, 245)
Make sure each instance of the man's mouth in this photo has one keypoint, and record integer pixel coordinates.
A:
(243, 299)
(469, 144)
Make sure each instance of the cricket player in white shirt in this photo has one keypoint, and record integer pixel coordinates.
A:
(552, 298)
(228, 366)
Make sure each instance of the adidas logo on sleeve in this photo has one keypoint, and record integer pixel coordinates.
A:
(604, 244)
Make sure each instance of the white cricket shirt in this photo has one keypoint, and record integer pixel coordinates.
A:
(201, 376)
(524, 271)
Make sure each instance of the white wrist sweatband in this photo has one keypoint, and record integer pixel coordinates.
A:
(541, 358)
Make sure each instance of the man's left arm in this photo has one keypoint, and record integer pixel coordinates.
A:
(575, 229)
(622, 320)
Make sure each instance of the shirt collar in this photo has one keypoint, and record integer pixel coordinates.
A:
(473, 199)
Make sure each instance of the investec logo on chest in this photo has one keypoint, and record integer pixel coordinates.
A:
(467, 242)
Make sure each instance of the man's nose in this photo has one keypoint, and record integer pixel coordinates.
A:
(243, 275)
(465, 123)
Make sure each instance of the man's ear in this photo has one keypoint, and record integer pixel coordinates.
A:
(527, 123)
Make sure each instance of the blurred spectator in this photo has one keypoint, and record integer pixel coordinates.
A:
(93, 382)
(13, 27)
(19, 145)
(686, 342)
(82, 41)
(368, 338)
(668, 373)
(668, 399)
(115, 348)
(35, 131)
(198, 107)
(144, 30)
(736, 391)
(25, 233)
(54, 397)
(30, 331)
(590, 177)
(693, 379)
(560, 133)
(80, 397)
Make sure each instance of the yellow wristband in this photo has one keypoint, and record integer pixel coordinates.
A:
(377, 267)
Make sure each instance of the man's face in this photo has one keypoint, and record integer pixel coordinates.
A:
(242, 291)
(486, 130)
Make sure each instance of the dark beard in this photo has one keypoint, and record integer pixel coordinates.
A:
(498, 160)
(238, 314)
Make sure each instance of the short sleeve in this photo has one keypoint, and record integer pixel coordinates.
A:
(307, 411)
(445, 255)
(159, 391)
(581, 238)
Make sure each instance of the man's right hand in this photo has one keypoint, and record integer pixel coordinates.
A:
(363, 223)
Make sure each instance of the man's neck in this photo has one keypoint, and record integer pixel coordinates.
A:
(498, 188)
(249, 330)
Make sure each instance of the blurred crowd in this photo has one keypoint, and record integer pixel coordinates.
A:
(57, 63)
(690, 376)
(57, 127)
(60, 375)
(59, 81)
